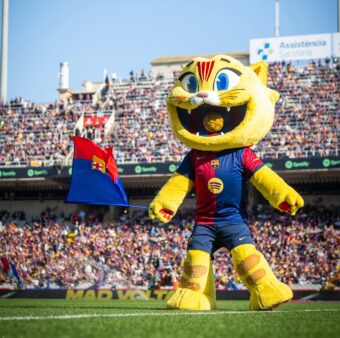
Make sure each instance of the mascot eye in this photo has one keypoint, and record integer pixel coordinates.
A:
(226, 79)
(189, 83)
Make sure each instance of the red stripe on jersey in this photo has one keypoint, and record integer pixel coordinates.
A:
(250, 162)
(205, 200)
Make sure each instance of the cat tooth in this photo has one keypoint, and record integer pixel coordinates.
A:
(197, 134)
(222, 133)
(228, 109)
(189, 111)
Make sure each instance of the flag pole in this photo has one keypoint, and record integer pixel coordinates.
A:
(138, 206)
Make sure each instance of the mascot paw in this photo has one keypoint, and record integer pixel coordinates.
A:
(269, 295)
(157, 210)
(186, 299)
(292, 203)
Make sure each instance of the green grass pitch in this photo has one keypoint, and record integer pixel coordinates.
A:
(149, 319)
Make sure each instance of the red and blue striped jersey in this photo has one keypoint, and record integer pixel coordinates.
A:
(220, 180)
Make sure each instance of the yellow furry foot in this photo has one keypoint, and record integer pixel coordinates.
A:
(269, 295)
(186, 299)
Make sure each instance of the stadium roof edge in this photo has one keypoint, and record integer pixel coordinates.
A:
(183, 59)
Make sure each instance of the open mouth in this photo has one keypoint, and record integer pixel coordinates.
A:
(208, 120)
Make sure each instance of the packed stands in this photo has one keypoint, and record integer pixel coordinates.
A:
(307, 114)
(134, 251)
(306, 123)
(142, 132)
(36, 135)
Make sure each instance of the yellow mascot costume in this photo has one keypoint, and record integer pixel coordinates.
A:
(220, 108)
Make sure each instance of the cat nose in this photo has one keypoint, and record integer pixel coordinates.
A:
(202, 95)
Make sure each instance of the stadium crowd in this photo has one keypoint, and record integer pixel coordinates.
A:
(135, 252)
(142, 132)
(308, 105)
(33, 134)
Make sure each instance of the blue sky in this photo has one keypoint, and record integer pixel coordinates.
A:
(124, 35)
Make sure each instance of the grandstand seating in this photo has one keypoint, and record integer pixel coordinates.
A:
(307, 114)
(306, 122)
(135, 252)
(36, 135)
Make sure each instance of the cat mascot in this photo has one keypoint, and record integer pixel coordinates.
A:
(220, 108)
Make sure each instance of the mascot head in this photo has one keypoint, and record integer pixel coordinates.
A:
(219, 104)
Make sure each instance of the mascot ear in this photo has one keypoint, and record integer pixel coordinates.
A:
(273, 95)
(261, 70)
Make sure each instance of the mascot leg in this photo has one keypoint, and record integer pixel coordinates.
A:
(197, 287)
(266, 291)
(210, 290)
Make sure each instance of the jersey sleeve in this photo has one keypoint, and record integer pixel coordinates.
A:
(186, 168)
(251, 163)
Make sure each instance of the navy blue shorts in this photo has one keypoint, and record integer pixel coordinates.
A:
(210, 238)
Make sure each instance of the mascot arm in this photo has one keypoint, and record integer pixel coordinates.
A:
(170, 197)
(279, 194)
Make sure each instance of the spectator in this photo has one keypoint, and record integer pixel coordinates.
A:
(134, 252)
(306, 120)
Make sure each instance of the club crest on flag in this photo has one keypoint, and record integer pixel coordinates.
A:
(86, 185)
(98, 164)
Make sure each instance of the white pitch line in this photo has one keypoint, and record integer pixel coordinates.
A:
(159, 314)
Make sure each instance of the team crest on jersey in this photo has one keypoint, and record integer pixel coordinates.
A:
(215, 185)
(98, 164)
(214, 164)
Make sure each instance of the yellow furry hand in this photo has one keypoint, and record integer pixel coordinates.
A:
(159, 211)
(170, 197)
(278, 193)
(292, 203)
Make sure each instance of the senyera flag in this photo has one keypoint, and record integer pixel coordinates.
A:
(95, 178)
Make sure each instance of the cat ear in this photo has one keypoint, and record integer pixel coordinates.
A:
(273, 95)
(261, 70)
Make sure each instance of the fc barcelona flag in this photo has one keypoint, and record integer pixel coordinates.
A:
(95, 178)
